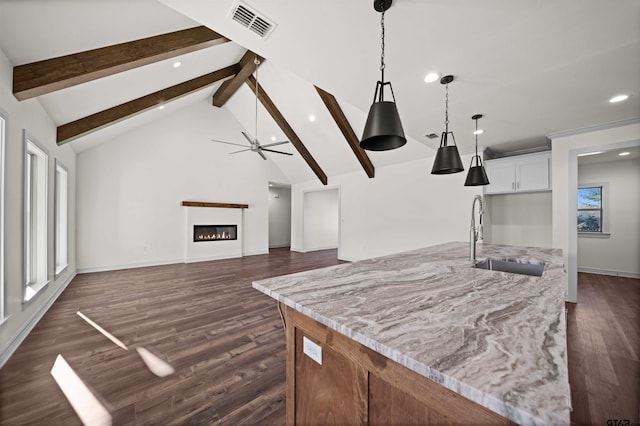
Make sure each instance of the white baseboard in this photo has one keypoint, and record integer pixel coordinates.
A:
(255, 253)
(348, 259)
(607, 272)
(128, 266)
(166, 262)
(303, 250)
(210, 258)
(320, 248)
(13, 344)
(280, 245)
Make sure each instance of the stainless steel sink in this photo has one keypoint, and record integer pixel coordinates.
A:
(511, 265)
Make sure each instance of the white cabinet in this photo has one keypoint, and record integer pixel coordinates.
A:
(521, 173)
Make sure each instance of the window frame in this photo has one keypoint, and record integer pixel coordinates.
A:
(604, 210)
(38, 220)
(4, 119)
(57, 225)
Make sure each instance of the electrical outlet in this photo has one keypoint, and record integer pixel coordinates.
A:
(312, 350)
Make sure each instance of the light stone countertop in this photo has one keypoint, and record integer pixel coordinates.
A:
(496, 338)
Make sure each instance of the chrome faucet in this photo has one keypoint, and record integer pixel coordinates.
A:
(475, 233)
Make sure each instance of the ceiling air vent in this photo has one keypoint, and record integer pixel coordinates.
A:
(250, 18)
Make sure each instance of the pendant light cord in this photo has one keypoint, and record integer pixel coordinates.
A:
(476, 133)
(446, 108)
(382, 64)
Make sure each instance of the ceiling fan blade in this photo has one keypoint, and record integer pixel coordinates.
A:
(242, 150)
(228, 143)
(251, 141)
(261, 155)
(274, 144)
(273, 150)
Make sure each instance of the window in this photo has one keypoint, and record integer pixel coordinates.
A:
(35, 220)
(3, 132)
(61, 184)
(592, 209)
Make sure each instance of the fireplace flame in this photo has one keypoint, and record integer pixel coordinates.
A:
(223, 236)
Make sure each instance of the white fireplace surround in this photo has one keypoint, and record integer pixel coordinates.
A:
(212, 250)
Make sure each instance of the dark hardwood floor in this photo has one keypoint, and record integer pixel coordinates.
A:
(227, 345)
(603, 339)
(224, 339)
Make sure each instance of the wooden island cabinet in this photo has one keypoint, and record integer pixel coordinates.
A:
(357, 386)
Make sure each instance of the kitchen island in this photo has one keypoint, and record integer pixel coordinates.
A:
(423, 337)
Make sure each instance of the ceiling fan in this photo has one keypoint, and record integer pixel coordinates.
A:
(254, 144)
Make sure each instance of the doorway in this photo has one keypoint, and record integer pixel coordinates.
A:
(321, 219)
(572, 265)
(609, 200)
(279, 215)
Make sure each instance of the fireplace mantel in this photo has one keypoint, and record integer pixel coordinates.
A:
(215, 205)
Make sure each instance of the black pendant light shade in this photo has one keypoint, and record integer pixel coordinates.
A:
(477, 175)
(383, 130)
(447, 158)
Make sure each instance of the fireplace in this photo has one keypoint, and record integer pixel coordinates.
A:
(214, 233)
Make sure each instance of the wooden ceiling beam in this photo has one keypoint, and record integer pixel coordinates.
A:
(83, 126)
(286, 128)
(343, 124)
(42, 77)
(230, 87)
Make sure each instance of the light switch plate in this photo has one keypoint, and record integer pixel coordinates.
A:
(312, 350)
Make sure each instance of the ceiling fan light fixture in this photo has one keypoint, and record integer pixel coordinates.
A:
(254, 143)
(383, 129)
(447, 159)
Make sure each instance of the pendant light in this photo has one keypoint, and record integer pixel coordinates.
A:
(477, 175)
(383, 130)
(447, 158)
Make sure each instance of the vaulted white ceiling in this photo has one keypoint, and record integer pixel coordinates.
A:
(532, 68)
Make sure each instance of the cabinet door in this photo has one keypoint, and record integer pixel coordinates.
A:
(501, 176)
(533, 174)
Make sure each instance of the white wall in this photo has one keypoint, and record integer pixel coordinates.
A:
(130, 189)
(29, 115)
(279, 217)
(321, 219)
(404, 207)
(519, 219)
(565, 147)
(620, 253)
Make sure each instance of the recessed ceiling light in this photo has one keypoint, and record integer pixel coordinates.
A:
(273, 138)
(478, 132)
(270, 184)
(431, 77)
(161, 107)
(619, 98)
(312, 118)
(177, 64)
(586, 154)
(622, 154)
